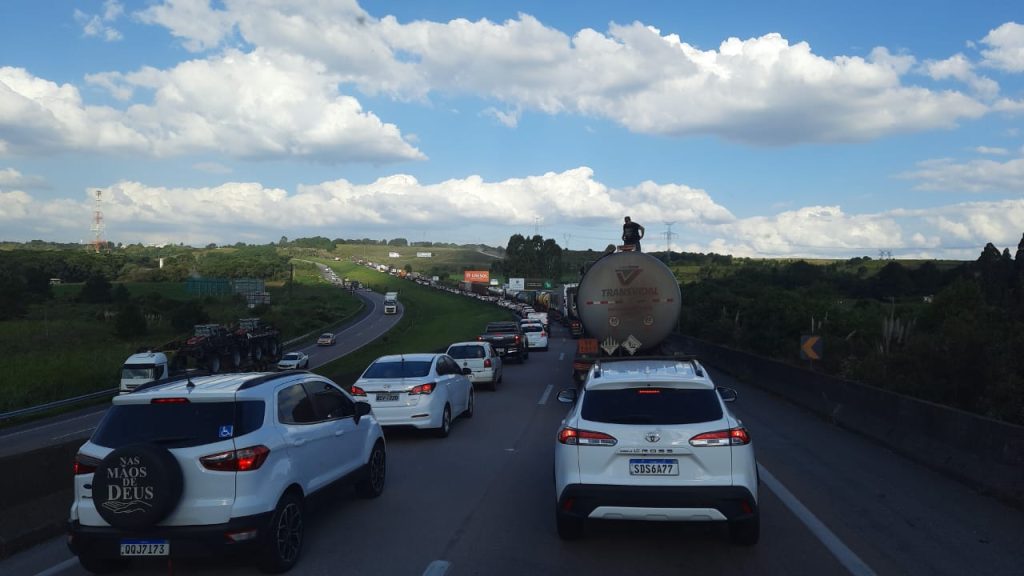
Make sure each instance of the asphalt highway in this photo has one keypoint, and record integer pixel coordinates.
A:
(480, 502)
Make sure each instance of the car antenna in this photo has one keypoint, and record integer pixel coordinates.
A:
(190, 384)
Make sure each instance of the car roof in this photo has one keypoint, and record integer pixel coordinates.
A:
(206, 387)
(655, 372)
(415, 357)
(328, 334)
(468, 343)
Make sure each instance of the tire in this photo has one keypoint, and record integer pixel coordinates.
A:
(213, 363)
(470, 404)
(285, 535)
(371, 484)
(273, 348)
(569, 527)
(156, 487)
(445, 428)
(235, 358)
(256, 352)
(746, 532)
(101, 565)
(493, 384)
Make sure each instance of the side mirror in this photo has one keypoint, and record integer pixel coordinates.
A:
(567, 396)
(727, 394)
(466, 370)
(362, 409)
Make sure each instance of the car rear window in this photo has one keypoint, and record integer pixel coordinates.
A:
(178, 425)
(290, 357)
(407, 369)
(532, 328)
(464, 352)
(651, 406)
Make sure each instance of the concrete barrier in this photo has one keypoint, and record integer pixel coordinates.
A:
(987, 454)
(35, 495)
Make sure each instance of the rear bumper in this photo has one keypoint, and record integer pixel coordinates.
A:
(185, 541)
(697, 503)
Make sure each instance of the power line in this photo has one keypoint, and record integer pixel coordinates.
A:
(668, 237)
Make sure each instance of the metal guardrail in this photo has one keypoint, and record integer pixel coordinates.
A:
(57, 404)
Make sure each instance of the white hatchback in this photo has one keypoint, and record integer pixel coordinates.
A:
(419, 390)
(536, 335)
(653, 440)
(481, 358)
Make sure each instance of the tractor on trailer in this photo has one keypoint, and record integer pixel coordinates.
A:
(627, 302)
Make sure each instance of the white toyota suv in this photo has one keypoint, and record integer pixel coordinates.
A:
(208, 465)
(652, 439)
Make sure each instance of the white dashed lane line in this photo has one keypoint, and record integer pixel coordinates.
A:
(544, 397)
(437, 568)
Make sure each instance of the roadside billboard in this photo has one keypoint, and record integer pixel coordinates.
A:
(476, 276)
(517, 284)
(394, 255)
(424, 254)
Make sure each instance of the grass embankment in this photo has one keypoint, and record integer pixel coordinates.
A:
(65, 348)
(433, 319)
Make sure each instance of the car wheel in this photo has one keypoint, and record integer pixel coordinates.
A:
(445, 428)
(371, 484)
(284, 539)
(569, 527)
(746, 532)
(102, 565)
(470, 405)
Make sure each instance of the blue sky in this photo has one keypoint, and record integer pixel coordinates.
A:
(810, 129)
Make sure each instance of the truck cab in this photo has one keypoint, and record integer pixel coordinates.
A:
(391, 303)
(143, 368)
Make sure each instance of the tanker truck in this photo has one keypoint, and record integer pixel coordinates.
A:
(627, 302)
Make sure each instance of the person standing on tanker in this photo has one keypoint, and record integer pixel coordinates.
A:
(632, 233)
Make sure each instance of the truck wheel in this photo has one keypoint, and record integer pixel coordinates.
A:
(213, 363)
(236, 358)
(274, 347)
(256, 352)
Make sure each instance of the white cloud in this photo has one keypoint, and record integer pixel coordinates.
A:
(960, 68)
(992, 150)
(100, 25)
(971, 176)
(509, 119)
(761, 90)
(1005, 47)
(249, 105)
(212, 167)
(11, 178)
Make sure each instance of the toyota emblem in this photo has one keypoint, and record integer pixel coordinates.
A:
(652, 437)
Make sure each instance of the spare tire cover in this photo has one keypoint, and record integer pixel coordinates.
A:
(137, 486)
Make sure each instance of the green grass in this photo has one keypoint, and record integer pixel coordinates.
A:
(64, 348)
(433, 319)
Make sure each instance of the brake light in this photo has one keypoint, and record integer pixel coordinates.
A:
(575, 437)
(169, 401)
(731, 437)
(648, 391)
(479, 337)
(543, 334)
(517, 338)
(487, 363)
(241, 460)
(80, 467)
(422, 389)
(357, 391)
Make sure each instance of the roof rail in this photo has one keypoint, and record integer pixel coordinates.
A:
(169, 379)
(672, 357)
(270, 377)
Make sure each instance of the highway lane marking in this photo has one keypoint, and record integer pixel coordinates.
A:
(561, 355)
(60, 423)
(57, 569)
(69, 434)
(544, 397)
(853, 564)
(437, 568)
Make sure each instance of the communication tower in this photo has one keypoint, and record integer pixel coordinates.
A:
(97, 221)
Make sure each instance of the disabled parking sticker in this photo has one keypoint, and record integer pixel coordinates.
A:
(226, 431)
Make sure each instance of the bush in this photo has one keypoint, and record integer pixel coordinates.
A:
(130, 322)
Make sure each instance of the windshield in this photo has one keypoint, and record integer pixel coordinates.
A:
(178, 425)
(398, 369)
(138, 372)
(651, 406)
(464, 352)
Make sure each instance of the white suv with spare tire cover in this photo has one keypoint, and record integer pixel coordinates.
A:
(652, 439)
(208, 465)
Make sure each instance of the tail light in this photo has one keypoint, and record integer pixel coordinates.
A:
(422, 389)
(517, 338)
(84, 464)
(543, 334)
(169, 401)
(241, 460)
(730, 437)
(479, 337)
(487, 363)
(357, 391)
(575, 437)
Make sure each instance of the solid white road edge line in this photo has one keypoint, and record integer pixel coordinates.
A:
(70, 434)
(544, 397)
(437, 568)
(50, 425)
(843, 554)
(52, 570)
